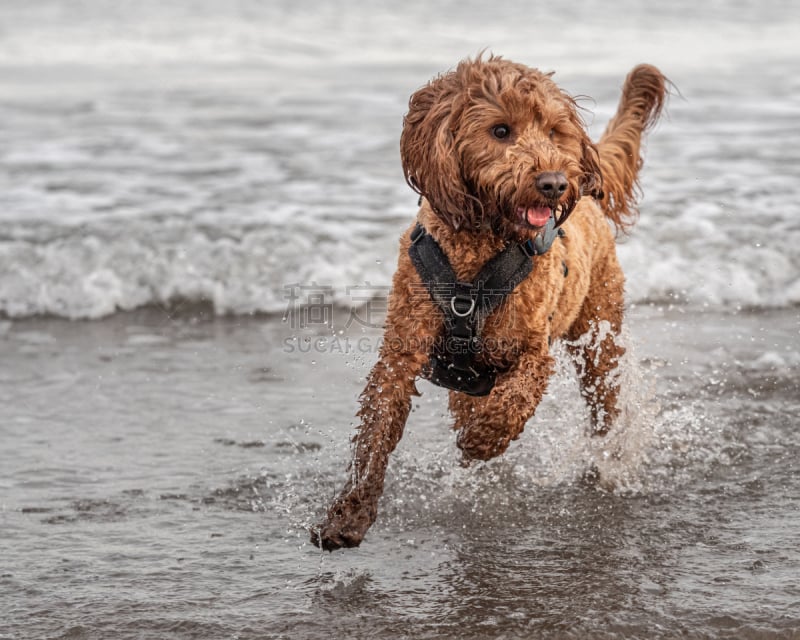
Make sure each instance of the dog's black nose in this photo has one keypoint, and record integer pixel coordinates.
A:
(551, 184)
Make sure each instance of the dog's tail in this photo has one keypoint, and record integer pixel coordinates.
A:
(643, 97)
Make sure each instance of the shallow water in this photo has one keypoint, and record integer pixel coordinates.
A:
(168, 170)
(159, 473)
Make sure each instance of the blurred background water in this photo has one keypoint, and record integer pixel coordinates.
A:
(155, 151)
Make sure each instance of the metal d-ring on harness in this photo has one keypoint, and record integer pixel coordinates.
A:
(467, 305)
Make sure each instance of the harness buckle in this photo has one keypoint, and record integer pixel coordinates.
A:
(460, 298)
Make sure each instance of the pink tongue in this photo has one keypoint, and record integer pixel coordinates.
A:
(537, 216)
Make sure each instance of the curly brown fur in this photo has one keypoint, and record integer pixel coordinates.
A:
(643, 98)
(476, 143)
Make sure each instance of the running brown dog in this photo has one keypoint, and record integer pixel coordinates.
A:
(500, 157)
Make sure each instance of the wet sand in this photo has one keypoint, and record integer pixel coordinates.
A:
(158, 471)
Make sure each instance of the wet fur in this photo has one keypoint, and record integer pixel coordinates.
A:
(473, 185)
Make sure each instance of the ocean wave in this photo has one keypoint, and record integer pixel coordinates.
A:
(245, 269)
(239, 271)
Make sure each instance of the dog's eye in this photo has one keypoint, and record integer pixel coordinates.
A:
(552, 133)
(501, 131)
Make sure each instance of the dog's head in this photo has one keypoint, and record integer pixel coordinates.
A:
(497, 142)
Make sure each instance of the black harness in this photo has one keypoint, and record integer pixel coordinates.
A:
(467, 305)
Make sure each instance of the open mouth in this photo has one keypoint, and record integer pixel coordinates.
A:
(534, 216)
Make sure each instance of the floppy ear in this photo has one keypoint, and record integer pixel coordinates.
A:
(592, 182)
(428, 153)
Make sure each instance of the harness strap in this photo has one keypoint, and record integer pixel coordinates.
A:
(467, 305)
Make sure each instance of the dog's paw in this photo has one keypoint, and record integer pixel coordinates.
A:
(327, 538)
(591, 477)
(345, 525)
(479, 441)
(598, 478)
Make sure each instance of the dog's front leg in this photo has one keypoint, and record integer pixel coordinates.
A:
(385, 404)
(487, 425)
